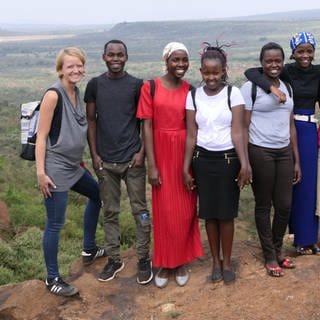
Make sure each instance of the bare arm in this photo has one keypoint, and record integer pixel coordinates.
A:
(255, 75)
(92, 135)
(153, 173)
(48, 105)
(191, 139)
(247, 120)
(237, 136)
(138, 157)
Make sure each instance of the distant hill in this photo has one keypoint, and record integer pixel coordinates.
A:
(27, 59)
(147, 39)
(300, 15)
(45, 28)
(284, 16)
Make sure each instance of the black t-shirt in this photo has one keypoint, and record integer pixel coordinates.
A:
(118, 129)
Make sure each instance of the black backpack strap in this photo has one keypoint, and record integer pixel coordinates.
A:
(253, 92)
(229, 95)
(193, 96)
(138, 85)
(152, 88)
(288, 88)
(57, 118)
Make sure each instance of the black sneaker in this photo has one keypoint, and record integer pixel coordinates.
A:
(61, 288)
(110, 270)
(145, 274)
(88, 256)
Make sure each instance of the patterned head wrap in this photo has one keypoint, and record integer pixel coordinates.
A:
(171, 47)
(301, 38)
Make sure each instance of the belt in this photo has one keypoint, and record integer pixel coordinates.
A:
(215, 155)
(301, 117)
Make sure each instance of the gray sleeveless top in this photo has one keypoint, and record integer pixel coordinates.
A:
(62, 162)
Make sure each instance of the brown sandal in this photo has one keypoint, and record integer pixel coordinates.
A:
(275, 271)
(286, 263)
(304, 251)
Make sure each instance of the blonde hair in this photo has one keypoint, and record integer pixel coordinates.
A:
(69, 51)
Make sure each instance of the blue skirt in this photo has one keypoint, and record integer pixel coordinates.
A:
(303, 220)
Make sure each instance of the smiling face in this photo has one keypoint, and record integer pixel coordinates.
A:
(304, 54)
(178, 63)
(272, 63)
(72, 69)
(212, 74)
(115, 57)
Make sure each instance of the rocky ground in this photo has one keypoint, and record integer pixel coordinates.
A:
(254, 295)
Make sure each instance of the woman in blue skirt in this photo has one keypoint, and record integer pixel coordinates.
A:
(304, 77)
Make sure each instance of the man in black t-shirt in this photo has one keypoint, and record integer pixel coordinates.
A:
(117, 154)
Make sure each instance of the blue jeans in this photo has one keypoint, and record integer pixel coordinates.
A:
(56, 209)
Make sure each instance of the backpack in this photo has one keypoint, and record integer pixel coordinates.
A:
(254, 91)
(193, 95)
(29, 119)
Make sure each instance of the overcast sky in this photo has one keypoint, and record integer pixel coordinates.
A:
(113, 11)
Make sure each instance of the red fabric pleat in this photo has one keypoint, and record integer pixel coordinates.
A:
(175, 222)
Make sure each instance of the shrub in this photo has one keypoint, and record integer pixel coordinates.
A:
(6, 275)
(7, 255)
(28, 250)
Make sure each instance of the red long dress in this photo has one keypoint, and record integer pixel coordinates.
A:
(175, 222)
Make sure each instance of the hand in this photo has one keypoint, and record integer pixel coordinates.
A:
(279, 94)
(297, 174)
(249, 180)
(189, 181)
(154, 177)
(97, 163)
(244, 177)
(44, 183)
(137, 160)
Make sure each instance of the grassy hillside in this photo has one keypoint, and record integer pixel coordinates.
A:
(27, 68)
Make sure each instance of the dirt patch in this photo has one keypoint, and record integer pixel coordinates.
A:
(254, 295)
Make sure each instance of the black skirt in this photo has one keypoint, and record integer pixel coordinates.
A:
(216, 173)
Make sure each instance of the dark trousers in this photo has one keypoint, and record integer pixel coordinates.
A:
(110, 190)
(272, 171)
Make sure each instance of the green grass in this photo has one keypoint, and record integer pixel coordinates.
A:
(174, 314)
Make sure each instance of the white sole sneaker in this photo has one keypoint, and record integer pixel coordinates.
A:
(182, 280)
(160, 282)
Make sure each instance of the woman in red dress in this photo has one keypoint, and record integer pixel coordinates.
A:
(175, 222)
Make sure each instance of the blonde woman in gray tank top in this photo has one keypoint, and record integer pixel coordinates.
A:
(61, 140)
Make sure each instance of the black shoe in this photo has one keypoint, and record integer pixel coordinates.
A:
(145, 274)
(216, 275)
(88, 256)
(110, 270)
(228, 276)
(61, 288)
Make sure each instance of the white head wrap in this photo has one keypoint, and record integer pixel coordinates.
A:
(171, 47)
